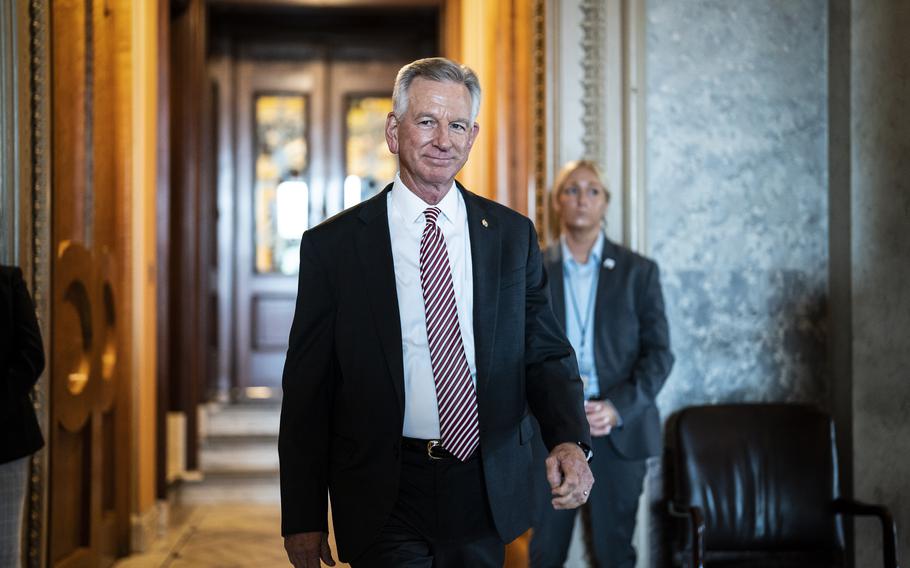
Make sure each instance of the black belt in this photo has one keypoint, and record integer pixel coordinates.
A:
(432, 448)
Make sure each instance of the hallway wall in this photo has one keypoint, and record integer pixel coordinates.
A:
(144, 64)
(496, 40)
(880, 236)
(779, 210)
(737, 196)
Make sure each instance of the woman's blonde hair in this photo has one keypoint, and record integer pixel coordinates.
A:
(560, 180)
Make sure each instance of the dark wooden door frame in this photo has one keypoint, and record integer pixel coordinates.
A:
(182, 225)
(162, 248)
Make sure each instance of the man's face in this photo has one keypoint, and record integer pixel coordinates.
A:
(434, 136)
(582, 201)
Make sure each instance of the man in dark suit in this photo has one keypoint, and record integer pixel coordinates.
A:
(422, 340)
(609, 300)
(21, 363)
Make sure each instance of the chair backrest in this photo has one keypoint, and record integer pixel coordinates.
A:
(764, 475)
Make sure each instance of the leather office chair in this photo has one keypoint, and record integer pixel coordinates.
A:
(755, 485)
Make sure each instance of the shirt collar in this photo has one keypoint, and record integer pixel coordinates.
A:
(593, 257)
(412, 207)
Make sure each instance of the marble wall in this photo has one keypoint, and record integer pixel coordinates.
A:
(737, 202)
(777, 181)
(880, 235)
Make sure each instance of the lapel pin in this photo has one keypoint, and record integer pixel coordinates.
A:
(609, 263)
(484, 223)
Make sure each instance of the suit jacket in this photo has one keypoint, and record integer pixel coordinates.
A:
(21, 363)
(343, 406)
(631, 342)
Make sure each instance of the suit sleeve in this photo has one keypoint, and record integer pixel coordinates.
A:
(554, 388)
(27, 355)
(655, 360)
(308, 385)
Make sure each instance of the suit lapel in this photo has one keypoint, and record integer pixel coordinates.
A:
(374, 247)
(483, 228)
(606, 284)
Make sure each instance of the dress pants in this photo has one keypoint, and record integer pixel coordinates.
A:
(612, 507)
(442, 518)
(13, 483)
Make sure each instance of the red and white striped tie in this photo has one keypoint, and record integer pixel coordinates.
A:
(455, 394)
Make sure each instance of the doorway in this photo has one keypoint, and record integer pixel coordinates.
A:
(274, 112)
(310, 143)
(302, 97)
(290, 131)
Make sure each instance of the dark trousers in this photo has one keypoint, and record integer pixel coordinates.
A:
(612, 507)
(442, 518)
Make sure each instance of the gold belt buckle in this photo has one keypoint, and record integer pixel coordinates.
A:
(433, 444)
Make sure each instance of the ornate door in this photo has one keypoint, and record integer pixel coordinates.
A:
(310, 143)
(89, 406)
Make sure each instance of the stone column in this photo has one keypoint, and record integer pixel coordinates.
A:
(880, 229)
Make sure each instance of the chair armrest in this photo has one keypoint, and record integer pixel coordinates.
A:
(889, 529)
(697, 530)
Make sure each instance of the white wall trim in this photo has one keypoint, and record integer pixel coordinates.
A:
(634, 127)
(595, 102)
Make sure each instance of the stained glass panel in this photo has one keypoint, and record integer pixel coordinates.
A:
(368, 164)
(281, 191)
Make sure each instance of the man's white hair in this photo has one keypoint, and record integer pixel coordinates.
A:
(437, 69)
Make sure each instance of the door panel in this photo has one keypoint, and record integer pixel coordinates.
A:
(72, 508)
(89, 422)
(270, 97)
(272, 317)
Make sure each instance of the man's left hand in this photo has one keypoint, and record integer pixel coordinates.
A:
(569, 476)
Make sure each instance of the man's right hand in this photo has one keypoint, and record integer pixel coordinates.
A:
(569, 476)
(306, 549)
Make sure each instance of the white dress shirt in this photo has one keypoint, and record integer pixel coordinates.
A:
(406, 224)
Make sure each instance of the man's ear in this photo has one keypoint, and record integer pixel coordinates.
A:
(474, 130)
(391, 132)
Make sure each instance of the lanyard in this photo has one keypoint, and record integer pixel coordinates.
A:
(583, 324)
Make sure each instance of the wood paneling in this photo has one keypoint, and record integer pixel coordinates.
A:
(189, 215)
(90, 379)
(72, 518)
(68, 67)
(162, 250)
(496, 39)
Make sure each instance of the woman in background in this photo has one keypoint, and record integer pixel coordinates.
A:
(610, 303)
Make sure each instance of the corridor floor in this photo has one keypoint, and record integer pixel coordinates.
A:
(230, 518)
(226, 536)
